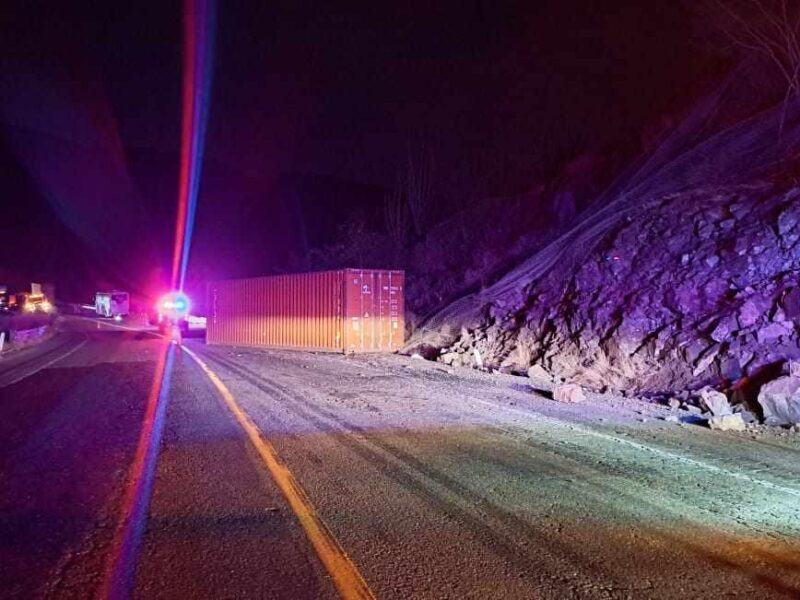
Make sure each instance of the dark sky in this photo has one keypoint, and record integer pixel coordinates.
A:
(313, 107)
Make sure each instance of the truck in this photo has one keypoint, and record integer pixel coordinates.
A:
(171, 311)
(33, 302)
(112, 304)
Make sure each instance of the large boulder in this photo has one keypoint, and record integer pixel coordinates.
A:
(780, 401)
(537, 371)
(715, 402)
(569, 392)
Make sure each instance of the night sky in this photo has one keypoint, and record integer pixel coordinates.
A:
(313, 107)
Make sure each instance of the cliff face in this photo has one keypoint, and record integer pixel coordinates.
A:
(702, 288)
(686, 274)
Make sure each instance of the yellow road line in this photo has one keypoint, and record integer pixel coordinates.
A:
(348, 580)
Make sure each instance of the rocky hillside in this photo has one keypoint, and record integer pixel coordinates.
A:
(687, 275)
(703, 288)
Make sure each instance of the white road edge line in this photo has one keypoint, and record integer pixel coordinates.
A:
(107, 324)
(658, 451)
(47, 364)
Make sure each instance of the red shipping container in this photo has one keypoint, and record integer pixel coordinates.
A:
(350, 310)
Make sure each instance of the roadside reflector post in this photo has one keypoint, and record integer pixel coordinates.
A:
(2, 340)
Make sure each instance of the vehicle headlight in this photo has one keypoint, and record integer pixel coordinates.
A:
(46, 306)
(29, 307)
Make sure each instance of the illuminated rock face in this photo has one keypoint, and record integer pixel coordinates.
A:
(704, 288)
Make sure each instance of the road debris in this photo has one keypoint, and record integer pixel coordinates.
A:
(729, 422)
(537, 371)
(569, 392)
(780, 401)
(715, 402)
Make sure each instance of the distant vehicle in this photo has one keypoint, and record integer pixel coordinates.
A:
(112, 304)
(4, 298)
(171, 312)
(34, 303)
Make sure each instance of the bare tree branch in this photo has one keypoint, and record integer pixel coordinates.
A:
(418, 187)
(768, 27)
(395, 215)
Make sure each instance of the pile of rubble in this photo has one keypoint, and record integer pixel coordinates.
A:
(702, 290)
(777, 402)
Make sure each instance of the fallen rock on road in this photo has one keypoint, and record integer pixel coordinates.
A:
(780, 401)
(537, 371)
(727, 423)
(715, 402)
(569, 392)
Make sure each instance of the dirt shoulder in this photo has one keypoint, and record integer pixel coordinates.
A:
(466, 478)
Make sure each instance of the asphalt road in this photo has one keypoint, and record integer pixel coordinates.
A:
(131, 467)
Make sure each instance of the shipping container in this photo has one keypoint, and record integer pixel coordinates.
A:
(349, 310)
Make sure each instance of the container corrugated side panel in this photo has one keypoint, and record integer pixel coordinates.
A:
(246, 322)
(288, 311)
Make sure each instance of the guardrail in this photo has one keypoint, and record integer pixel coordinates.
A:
(18, 329)
(20, 336)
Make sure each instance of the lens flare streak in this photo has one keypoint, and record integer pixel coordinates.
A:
(122, 566)
(198, 30)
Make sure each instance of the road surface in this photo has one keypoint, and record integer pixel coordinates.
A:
(132, 467)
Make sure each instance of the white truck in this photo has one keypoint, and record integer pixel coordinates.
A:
(112, 304)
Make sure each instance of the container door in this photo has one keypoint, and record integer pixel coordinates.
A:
(358, 288)
(373, 311)
(391, 324)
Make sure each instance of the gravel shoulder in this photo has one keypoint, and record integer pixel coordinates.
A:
(453, 483)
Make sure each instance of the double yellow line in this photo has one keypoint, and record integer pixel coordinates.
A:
(343, 571)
